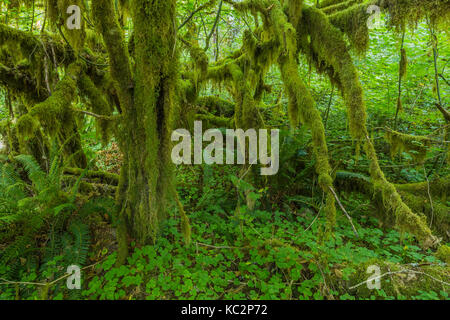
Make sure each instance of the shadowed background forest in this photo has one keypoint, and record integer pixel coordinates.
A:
(91, 91)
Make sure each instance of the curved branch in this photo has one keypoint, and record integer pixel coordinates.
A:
(200, 8)
(108, 25)
(328, 44)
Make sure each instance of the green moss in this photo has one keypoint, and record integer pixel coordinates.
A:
(99, 106)
(436, 212)
(416, 146)
(352, 21)
(212, 121)
(339, 6)
(57, 12)
(216, 105)
(26, 127)
(412, 11)
(120, 68)
(328, 3)
(327, 43)
(443, 253)
(439, 188)
(147, 99)
(54, 113)
(397, 280)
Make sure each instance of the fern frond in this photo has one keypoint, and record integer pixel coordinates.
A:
(81, 236)
(35, 172)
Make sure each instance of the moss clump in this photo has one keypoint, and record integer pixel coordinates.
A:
(26, 127)
(216, 105)
(54, 113)
(403, 63)
(212, 121)
(398, 280)
(416, 146)
(329, 48)
(436, 212)
(352, 22)
(439, 188)
(99, 106)
(339, 6)
(443, 253)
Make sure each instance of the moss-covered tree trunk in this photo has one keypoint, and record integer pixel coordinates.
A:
(147, 100)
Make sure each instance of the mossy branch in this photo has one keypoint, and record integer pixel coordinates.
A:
(330, 47)
(21, 83)
(107, 24)
(106, 177)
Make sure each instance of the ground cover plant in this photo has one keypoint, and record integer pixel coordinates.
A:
(91, 93)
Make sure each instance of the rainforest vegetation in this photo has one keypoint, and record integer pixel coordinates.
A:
(91, 92)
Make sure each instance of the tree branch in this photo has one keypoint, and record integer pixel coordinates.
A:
(107, 24)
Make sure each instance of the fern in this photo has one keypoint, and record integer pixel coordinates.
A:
(346, 175)
(81, 242)
(35, 173)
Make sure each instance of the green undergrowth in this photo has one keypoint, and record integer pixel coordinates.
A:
(259, 254)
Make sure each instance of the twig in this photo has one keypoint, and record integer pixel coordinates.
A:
(194, 12)
(343, 209)
(208, 39)
(109, 118)
(429, 196)
(215, 247)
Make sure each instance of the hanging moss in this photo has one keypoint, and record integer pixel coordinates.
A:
(147, 99)
(327, 43)
(328, 3)
(416, 146)
(339, 6)
(57, 13)
(21, 84)
(403, 63)
(94, 41)
(353, 22)
(99, 106)
(412, 11)
(439, 187)
(26, 127)
(443, 253)
(107, 25)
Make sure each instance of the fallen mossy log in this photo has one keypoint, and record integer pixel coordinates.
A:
(212, 121)
(438, 214)
(89, 187)
(359, 182)
(105, 177)
(415, 195)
